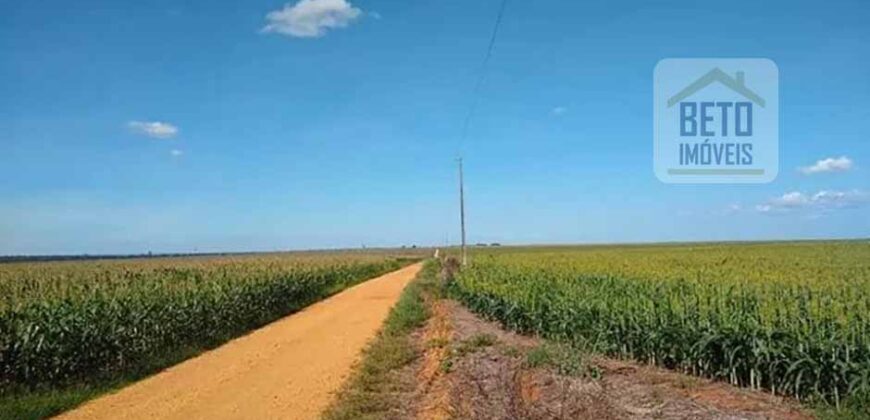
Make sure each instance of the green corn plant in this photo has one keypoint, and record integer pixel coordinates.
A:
(791, 318)
(65, 323)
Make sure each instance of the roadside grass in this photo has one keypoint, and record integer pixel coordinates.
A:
(856, 407)
(370, 393)
(40, 403)
(562, 358)
(44, 403)
(465, 347)
(477, 341)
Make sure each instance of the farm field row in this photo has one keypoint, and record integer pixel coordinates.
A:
(790, 318)
(64, 324)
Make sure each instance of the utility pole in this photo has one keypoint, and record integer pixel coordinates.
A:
(462, 214)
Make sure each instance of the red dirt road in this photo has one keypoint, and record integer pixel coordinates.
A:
(288, 369)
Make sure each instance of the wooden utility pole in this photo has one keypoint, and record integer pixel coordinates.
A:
(462, 214)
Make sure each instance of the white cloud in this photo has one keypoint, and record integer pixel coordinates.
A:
(786, 202)
(792, 199)
(311, 18)
(156, 129)
(559, 110)
(840, 199)
(732, 209)
(824, 200)
(840, 164)
(176, 152)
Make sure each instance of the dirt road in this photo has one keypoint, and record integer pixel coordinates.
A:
(287, 369)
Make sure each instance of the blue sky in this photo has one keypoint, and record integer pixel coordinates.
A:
(261, 125)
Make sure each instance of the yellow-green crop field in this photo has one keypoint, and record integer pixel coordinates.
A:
(72, 322)
(791, 317)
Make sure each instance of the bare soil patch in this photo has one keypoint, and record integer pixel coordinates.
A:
(489, 373)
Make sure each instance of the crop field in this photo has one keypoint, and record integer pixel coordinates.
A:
(789, 318)
(64, 323)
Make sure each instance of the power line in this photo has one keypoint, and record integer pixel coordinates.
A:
(482, 74)
(475, 97)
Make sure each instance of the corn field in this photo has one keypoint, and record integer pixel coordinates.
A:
(63, 323)
(790, 318)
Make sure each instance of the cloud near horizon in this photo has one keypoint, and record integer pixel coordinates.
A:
(825, 200)
(840, 164)
(154, 129)
(311, 18)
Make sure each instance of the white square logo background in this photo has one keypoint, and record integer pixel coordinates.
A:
(719, 153)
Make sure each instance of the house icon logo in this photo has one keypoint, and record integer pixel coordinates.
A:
(737, 84)
(711, 126)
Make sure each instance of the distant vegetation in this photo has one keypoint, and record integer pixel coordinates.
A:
(790, 318)
(88, 257)
(83, 257)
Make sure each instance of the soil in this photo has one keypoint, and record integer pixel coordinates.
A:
(468, 368)
(494, 381)
(287, 369)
